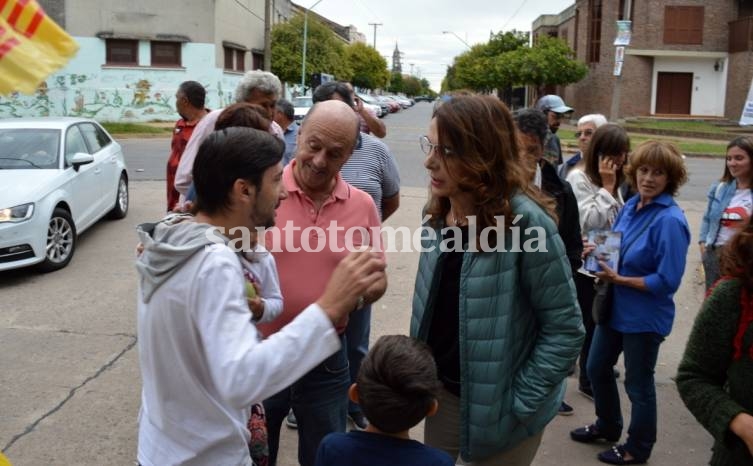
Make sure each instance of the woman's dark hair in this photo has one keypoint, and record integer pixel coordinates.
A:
(659, 154)
(243, 114)
(194, 92)
(609, 139)
(743, 142)
(484, 160)
(228, 155)
(397, 383)
(737, 256)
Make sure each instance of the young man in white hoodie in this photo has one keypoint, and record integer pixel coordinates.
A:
(201, 359)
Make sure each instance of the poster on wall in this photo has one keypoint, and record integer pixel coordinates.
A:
(623, 33)
(617, 69)
(747, 117)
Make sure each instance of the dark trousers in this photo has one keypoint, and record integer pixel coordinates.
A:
(357, 336)
(584, 286)
(640, 353)
(319, 401)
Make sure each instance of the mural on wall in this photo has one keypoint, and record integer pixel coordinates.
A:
(101, 98)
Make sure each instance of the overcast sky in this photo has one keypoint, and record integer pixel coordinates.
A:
(417, 26)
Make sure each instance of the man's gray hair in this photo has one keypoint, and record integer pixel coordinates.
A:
(258, 80)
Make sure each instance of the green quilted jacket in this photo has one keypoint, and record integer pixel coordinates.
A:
(520, 332)
(714, 386)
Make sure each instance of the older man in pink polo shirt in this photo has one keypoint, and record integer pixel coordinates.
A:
(321, 218)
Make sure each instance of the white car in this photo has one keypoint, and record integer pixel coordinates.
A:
(58, 176)
(301, 106)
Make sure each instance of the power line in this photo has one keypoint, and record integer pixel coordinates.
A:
(247, 9)
(513, 15)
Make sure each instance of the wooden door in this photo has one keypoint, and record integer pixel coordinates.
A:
(673, 92)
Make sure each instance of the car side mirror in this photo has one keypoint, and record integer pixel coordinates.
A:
(80, 158)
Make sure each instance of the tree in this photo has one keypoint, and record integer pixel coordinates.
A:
(549, 62)
(396, 83)
(506, 61)
(324, 52)
(368, 66)
(412, 86)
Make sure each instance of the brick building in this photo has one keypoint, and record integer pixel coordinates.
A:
(686, 57)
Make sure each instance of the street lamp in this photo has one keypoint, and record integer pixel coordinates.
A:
(305, 39)
(458, 37)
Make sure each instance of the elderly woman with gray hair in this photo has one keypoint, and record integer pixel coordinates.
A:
(587, 126)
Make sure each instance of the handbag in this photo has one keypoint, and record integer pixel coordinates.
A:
(603, 303)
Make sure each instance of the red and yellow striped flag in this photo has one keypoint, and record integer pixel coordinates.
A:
(31, 46)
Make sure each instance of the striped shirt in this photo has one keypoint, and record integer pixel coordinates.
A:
(372, 168)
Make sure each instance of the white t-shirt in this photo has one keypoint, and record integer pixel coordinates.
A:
(203, 364)
(734, 216)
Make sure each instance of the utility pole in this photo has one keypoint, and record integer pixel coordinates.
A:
(268, 35)
(375, 26)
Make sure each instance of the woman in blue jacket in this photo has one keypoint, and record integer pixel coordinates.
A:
(497, 306)
(654, 246)
(730, 204)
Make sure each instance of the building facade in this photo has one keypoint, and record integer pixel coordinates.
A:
(134, 54)
(685, 57)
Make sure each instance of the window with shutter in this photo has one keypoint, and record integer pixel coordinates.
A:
(683, 25)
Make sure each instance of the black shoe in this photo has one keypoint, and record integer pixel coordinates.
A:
(590, 434)
(587, 392)
(616, 455)
(291, 421)
(565, 410)
(359, 421)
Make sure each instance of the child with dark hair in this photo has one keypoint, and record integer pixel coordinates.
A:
(396, 387)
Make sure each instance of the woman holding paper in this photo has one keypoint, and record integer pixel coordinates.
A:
(654, 246)
(596, 182)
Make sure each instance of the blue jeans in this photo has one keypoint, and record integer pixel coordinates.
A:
(641, 351)
(319, 402)
(357, 337)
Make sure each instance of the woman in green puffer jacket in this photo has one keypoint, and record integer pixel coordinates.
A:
(716, 373)
(497, 306)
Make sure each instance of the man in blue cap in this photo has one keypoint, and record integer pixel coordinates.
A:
(554, 108)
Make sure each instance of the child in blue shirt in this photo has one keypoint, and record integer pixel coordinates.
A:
(396, 388)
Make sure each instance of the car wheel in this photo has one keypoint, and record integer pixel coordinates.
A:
(121, 200)
(61, 241)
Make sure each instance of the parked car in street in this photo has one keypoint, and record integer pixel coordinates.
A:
(393, 104)
(381, 109)
(301, 106)
(58, 176)
(424, 98)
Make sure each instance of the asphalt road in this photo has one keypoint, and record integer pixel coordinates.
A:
(69, 376)
(146, 158)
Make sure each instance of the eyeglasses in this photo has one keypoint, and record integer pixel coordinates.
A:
(588, 132)
(428, 147)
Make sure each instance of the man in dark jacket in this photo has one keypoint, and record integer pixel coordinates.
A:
(532, 130)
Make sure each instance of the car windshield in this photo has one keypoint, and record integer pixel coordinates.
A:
(29, 148)
(302, 102)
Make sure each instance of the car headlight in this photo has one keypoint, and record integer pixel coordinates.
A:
(18, 213)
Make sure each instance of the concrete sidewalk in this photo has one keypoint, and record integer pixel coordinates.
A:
(681, 440)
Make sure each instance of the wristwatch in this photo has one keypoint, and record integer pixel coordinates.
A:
(360, 303)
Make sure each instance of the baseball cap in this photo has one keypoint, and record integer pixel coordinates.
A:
(554, 103)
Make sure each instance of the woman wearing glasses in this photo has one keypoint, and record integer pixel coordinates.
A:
(587, 126)
(596, 184)
(500, 314)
